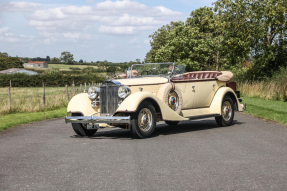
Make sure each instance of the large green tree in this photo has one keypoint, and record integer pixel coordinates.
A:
(67, 57)
(257, 28)
(191, 43)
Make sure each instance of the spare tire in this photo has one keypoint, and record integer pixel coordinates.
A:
(171, 95)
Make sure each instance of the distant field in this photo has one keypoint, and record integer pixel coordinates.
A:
(66, 67)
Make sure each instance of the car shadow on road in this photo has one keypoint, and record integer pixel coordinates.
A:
(161, 129)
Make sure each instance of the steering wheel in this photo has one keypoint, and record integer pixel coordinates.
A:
(147, 71)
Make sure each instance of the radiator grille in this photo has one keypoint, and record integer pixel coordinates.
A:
(109, 99)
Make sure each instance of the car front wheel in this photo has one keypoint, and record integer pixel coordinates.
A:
(143, 121)
(81, 128)
(227, 113)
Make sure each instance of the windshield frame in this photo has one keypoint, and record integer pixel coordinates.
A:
(173, 64)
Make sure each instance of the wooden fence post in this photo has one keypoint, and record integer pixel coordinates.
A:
(81, 88)
(67, 93)
(74, 90)
(9, 98)
(43, 94)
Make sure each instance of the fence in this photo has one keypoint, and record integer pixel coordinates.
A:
(33, 99)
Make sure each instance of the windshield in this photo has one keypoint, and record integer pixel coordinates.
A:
(165, 69)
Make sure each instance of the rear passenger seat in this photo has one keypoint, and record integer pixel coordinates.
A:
(195, 76)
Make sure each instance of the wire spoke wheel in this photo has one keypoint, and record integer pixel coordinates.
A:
(145, 119)
(226, 110)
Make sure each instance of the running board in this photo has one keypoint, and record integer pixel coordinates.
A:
(203, 116)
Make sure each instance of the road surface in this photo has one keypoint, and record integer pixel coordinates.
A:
(197, 155)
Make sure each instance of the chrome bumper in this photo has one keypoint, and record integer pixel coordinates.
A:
(98, 119)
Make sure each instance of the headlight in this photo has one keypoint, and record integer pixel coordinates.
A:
(93, 92)
(124, 91)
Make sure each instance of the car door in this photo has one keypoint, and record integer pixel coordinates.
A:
(204, 92)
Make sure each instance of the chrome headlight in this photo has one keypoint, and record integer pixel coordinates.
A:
(124, 92)
(93, 93)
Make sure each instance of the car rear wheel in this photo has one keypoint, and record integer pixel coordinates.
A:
(81, 128)
(227, 112)
(171, 122)
(143, 121)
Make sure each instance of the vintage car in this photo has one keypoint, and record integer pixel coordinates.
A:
(159, 92)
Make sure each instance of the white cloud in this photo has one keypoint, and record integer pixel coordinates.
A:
(19, 6)
(72, 35)
(117, 30)
(3, 29)
(118, 17)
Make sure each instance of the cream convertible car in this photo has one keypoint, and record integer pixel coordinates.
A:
(160, 92)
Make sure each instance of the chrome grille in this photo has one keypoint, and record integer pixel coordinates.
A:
(109, 99)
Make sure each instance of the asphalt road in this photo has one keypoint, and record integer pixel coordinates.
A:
(196, 155)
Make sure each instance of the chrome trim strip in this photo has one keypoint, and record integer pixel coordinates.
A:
(97, 119)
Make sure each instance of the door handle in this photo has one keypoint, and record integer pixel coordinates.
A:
(193, 88)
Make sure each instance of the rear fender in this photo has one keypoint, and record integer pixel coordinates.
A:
(215, 106)
(131, 103)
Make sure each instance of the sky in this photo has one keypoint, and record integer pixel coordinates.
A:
(92, 30)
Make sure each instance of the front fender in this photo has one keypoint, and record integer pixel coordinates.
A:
(131, 103)
(215, 106)
(81, 103)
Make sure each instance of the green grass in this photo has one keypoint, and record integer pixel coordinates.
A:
(266, 109)
(67, 67)
(12, 120)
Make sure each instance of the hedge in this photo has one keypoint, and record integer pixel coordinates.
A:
(56, 80)
(10, 62)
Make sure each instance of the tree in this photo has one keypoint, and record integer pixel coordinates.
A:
(67, 57)
(81, 61)
(158, 40)
(257, 28)
(47, 58)
(4, 54)
(55, 60)
(112, 69)
(191, 43)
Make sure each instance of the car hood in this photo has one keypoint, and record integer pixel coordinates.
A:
(143, 81)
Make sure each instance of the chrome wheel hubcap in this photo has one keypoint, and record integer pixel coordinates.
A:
(145, 119)
(173, 100)
(226, 110)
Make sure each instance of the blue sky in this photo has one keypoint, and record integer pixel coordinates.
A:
(91, 30)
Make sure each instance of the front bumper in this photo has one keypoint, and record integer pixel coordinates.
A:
(125, 120)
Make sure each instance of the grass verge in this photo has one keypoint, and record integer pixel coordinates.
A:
(15, 119)
(266, 109)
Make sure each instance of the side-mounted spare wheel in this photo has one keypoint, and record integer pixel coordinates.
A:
(171, 95)
(227, 112)
(143, 121)
(81, 128)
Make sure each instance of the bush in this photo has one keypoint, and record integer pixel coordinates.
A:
(10, 62)
(75, 68)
